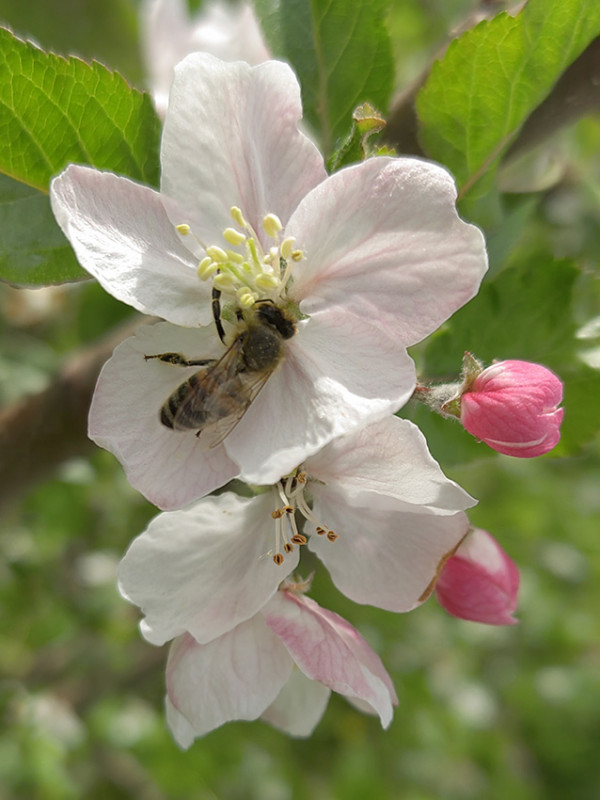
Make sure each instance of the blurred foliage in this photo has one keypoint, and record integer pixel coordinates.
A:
(484, 712)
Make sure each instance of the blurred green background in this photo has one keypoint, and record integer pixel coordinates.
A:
(484, 712)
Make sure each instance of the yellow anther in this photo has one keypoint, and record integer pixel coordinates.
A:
(287, 247)
(233, 237)
(297, 255)
(223, 281)
(237, 216)
(272, 225)
(217, 253)
(237, 258)
(265, 281)
(246, 298)
(207, 268)
(183, 229)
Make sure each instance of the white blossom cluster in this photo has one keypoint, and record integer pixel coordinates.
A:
(289, 298)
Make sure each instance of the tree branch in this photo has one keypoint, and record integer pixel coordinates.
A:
(41, 431)
(575, 95)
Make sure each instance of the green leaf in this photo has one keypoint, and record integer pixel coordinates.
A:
(341, 53)
(56, 110)
(582, 408)
(525, 313)
(490, 79)
(100, 30)
(33, 249)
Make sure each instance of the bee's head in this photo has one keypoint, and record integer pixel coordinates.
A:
(267, 312)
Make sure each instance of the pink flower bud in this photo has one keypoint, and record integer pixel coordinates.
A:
(480, 582)
(512, 407)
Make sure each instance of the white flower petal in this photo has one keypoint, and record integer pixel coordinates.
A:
(389, 458)
(383, 238)
(168, 34)
(167, 466)
(299, 705)
(231, 138)
(165, 38)
(122, 236)
(236, 676)
(339, 372)
(182, 731)
(328, 649)
(381, 557)
(204, 570)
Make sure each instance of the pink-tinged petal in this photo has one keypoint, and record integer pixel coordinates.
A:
(168, 467)
(231, 33)
(389, 458)
(236, 676)
(480, 582)
(168, 34)
(512, 407)
(383, 238)
(339, 373)
(231, 138)
(165, 39)
(329, 650)
(204, 570)
(383, 557)
(299, 705)
(180, 728)
(122, 236)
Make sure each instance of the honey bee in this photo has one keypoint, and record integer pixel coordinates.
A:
(214, 399)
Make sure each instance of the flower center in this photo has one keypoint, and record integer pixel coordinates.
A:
(290, 492)
(243, 269)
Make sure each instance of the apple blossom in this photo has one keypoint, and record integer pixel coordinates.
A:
(479, 582)
(365, 263)
(376, 509)
(280, 665)
(512, 407)
(168, 34)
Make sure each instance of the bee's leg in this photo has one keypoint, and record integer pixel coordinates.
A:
(216, 309)
(181, 361)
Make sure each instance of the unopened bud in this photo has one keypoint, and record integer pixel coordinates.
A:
(479, 582)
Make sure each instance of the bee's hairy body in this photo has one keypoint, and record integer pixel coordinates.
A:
(214, 399)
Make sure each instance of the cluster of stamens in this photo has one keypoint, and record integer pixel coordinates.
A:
(290, 491)
(243, 269)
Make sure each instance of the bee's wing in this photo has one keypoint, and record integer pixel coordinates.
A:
(244, 387)
(206, 395)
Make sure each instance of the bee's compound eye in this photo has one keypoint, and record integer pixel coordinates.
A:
(275, 317)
